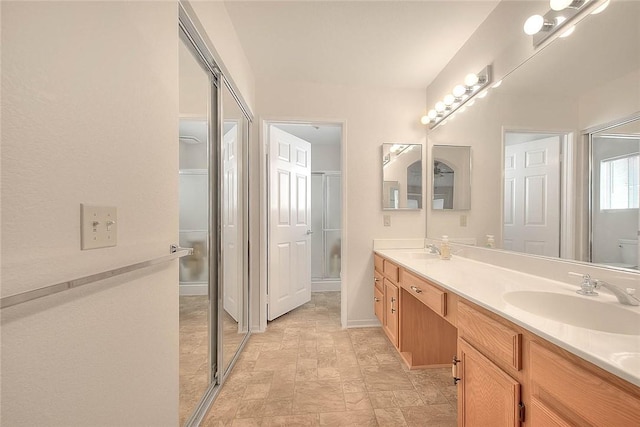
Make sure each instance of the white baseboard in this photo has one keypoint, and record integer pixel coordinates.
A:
(189, 289)
(325, 286)
(365, 323)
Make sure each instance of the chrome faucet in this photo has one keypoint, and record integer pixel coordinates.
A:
(433, 249)
(625, 296)
(588, 286)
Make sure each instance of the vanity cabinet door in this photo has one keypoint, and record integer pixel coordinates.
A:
(487, 396)
(391, 308)
(378, 304)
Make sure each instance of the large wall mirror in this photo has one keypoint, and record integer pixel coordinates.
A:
(556, 146)
(451, 185)
(401, 176)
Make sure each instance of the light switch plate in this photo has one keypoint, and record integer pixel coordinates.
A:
(99, 226)
(387, 220)
(463, 220)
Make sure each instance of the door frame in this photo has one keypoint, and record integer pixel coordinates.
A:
(567, 188)
(265, 186)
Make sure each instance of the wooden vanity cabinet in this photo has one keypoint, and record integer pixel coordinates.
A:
(386, 297)
(487, 396)
(391, 315)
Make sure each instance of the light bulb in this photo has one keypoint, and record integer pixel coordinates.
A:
(569, 31)
(497, 84)
(560, 4)
(471, 80)
(459, 90)
(440, 107)
(432, 114)
(448, 100)
(533, 25)
(600, 8)
(425, 120)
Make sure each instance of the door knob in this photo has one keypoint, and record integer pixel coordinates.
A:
(309, 232)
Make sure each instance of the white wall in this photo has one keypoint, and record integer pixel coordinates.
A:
(372, 116)
(89, 115)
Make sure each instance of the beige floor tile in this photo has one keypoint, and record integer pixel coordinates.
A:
(310, 420)
(353, 385)
(306, 371)
(390, 417)
(318, 396)
(429, 415)
(350, 418)
(383, 378)
(256, 391)
(358, 401)
(247, 422)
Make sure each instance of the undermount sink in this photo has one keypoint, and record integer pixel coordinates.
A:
(579, 311)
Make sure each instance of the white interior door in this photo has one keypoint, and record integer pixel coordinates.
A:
(532, 197)
(289, 223)
(232, 274)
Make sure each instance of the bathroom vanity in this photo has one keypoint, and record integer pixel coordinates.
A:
(514, 363)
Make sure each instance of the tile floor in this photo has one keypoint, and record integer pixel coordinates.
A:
(307, 371)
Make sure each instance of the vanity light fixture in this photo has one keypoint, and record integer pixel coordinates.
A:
(560, 18)
(460, 95)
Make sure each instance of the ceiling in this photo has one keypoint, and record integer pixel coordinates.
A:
(395, 44)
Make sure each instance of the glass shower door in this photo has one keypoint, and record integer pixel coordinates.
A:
(326, 220)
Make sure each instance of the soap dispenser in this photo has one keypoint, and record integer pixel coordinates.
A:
(445, 249)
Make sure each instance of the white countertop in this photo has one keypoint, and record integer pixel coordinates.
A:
(486, 284)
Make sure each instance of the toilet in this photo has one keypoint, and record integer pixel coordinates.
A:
(629, 253)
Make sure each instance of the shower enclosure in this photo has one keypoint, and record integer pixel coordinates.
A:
(326, 217)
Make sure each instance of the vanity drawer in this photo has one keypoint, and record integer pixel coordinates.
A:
(490, 336)
(581, 396)
(378, 262)
(430, 295)
(377, 280)
(391, 270)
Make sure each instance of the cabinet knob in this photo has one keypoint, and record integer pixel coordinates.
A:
(376, 299)
(416, 289)
(375, 279)
(393, 299)
(393, 310)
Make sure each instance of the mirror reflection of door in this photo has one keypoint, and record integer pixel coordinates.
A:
(234, 315)
(196, 345)
(615, 159)
(532, 193)
(443, 185)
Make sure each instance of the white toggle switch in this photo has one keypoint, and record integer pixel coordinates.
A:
(98, 226)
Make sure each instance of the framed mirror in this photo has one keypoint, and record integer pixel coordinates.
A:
(451, 184)
(559, 110)
(401, 176)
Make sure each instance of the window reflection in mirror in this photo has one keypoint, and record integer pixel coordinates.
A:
(401, 176)
(451, 178)
(615, 154)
